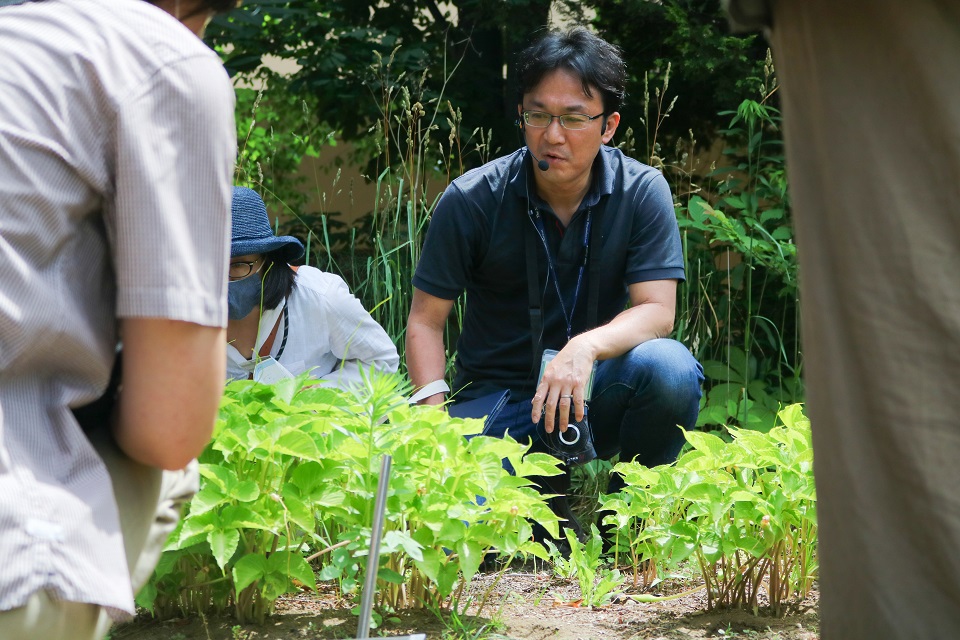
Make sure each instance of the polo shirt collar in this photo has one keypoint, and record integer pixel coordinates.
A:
(602, 177)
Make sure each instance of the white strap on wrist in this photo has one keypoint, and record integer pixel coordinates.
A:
(429, 389)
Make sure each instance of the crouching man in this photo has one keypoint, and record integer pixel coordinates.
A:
(565, 245)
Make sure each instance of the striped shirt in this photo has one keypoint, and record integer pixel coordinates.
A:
(116, 151)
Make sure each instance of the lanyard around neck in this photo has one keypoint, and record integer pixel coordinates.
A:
(268, 343)
(552, 272)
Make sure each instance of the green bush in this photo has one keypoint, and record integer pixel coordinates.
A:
(288, 487)
(744, 512)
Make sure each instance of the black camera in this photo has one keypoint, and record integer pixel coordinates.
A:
(573, 446)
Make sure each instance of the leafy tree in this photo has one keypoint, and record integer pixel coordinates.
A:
(711, 70)
(355, 56)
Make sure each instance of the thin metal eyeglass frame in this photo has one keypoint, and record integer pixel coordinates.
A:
(251, 271)
(560, 118)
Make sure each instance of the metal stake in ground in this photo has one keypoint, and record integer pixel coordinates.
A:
(373, 560)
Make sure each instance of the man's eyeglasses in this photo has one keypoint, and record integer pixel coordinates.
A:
(242, 269)
(571, 121)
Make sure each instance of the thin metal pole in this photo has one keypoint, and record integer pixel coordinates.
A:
(373, 560)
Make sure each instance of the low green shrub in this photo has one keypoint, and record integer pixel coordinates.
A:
(743, 511)
(287, 497)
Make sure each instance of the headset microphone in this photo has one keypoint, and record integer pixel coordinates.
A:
(543, 165)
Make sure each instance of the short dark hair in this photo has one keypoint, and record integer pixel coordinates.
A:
(278, 279)
(595, 61)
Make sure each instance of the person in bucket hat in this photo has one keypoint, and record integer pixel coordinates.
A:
(285, 320)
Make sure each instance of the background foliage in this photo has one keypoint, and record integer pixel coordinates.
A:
(710, 69)
(425, 91)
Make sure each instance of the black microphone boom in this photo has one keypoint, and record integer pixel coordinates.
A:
(543, 165)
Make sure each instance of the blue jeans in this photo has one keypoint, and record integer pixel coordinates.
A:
(639, 399)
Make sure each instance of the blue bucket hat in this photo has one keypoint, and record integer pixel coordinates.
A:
(251, 229)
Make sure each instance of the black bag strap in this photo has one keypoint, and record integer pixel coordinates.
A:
(593, 286)
(533, 291)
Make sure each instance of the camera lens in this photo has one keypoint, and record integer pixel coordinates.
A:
(576, 435)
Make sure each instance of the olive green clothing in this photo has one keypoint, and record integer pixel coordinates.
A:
(871, 105)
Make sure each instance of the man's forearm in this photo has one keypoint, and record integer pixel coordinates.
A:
(173, 377)
(628, 329)
(426, 358)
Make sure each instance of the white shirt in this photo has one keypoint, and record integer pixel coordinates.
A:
(117, 145)
(330, 333)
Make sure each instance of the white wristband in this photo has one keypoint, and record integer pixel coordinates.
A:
(429, 389)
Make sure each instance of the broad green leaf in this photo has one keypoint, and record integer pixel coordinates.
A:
(197, 526)
(297, 444)
(698, 209)
(752, 545)
(221, 477)
(248, 570)
(430, 563)
(447, 579)
(538, 464)
(710, 545)
(242, 517)
(223, 544)
(719, 371)
(389, 575)
(275, 584)
(146, 596)
(330, 572)
(245, 491)
(292, 565)
(453, 530)
(469, 555)
(707, 443)
(298, 511)
(704, 492)
(401, 540)
(208, 498)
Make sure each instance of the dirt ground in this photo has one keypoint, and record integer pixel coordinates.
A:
(524, 605)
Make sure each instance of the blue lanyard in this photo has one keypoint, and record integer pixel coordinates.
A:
(551, 271)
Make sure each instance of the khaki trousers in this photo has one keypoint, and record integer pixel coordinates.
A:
(871, 105)
(149, 502)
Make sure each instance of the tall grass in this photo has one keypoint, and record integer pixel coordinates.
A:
(738, 310)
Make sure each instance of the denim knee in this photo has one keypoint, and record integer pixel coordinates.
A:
(641, 397)
(662, 369)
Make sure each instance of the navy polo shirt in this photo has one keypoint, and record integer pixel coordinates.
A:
(475, 243)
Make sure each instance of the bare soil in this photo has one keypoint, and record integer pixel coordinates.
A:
(523, 605)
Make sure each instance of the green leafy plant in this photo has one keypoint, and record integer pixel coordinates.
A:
(587, 482)
(739, 309)
(598, 584)
(740, 394)
(275, 132)
(459, 626)
(743, 511)
(288, 487)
